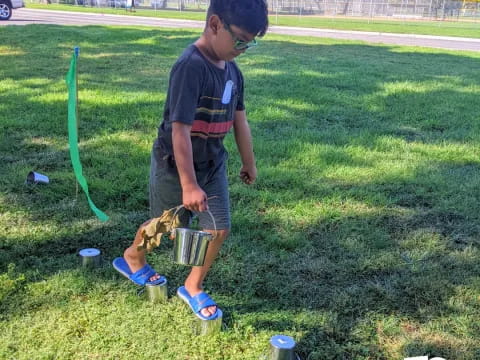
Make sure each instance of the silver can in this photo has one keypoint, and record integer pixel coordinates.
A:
(91, 257)
(157, 293)
(208, 327)
(190, 246)
(282, 347)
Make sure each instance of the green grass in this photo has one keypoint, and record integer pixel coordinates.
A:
(360, 238)
(469, 29)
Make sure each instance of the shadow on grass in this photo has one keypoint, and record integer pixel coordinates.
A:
(434, 348)
(357, 267)
(405, 251)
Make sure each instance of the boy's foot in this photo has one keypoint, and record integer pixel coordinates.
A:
(201, 304)
(144, 276)
(135, 264)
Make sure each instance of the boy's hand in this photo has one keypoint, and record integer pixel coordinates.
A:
(248, 174)
(195, 199)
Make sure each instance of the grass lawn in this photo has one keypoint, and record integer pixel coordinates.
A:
(360, 238)
(469, 29)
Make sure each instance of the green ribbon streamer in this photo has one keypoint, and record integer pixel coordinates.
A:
(73, 136)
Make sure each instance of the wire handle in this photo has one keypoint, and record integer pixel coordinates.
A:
(208, 210)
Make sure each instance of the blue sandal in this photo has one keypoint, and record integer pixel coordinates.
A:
(139, 277)
(199, 302)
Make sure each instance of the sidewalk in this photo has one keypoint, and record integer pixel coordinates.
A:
(440, 42)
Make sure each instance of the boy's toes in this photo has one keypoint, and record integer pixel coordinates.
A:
(209, 311)
(154, 277)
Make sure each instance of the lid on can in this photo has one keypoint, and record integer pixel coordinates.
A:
(89, 252)
(282, 342)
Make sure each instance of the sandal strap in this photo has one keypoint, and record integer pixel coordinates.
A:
(143, 275)
(201, 301)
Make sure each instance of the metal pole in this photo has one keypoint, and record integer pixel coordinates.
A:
(430, 10)
(76, 51)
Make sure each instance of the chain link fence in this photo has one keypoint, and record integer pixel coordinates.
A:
(407, 9)
(410, 9)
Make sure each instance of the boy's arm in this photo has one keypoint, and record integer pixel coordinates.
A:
(193, 197)
(243, 138)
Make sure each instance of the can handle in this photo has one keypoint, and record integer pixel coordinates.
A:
(183, 207)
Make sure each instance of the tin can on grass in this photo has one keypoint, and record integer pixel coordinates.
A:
(91, 257)
(36, 178)
(208, 327)
(282, 347)
(157, 293)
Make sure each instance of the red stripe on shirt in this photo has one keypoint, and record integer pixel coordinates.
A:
(207, 128)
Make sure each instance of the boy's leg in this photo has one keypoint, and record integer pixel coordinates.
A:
(195, 279)
(134, 257)
(164, 193)
(214, 182)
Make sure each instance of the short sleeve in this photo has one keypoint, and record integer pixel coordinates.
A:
(240, 103)
(186, 81)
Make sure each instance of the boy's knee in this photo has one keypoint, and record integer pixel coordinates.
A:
(221, 234)
(145, 223)
(141, 227)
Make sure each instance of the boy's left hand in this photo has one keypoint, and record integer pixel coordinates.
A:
(248, 174)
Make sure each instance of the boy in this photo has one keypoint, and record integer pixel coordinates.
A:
(188, 162)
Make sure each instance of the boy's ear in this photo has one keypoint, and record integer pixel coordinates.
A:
(214, 23)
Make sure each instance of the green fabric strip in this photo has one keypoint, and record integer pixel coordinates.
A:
(73, 136)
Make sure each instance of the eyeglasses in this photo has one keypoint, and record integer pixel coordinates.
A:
(240, 44)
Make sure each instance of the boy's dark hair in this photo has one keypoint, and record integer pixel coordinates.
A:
(249, 15)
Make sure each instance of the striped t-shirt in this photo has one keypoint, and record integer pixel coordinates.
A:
(205, 97)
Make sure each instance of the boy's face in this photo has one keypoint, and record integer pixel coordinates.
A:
(232, 41)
